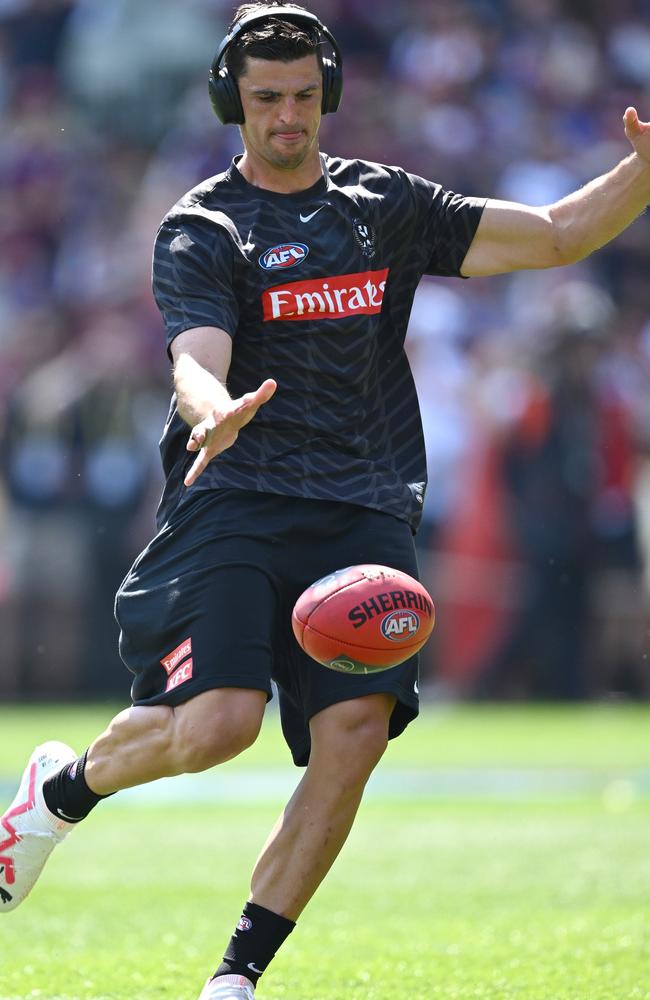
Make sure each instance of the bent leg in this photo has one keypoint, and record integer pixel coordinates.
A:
(348, 740)
(139, 745)
(145, 743)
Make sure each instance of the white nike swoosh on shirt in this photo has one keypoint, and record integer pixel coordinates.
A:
(308, 218)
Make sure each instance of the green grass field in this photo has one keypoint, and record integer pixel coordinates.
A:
(501, 853)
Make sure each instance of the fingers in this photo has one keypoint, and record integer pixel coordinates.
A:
(199, 441)
(226, 427)
(197, 467)
(199, 433)
(196, 439)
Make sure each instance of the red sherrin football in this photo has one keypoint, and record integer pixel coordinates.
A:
(363, 619)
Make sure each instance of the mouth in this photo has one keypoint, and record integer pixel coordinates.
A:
(289, 136)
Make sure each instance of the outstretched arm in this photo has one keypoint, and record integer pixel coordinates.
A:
(513, 237)
(201, 362)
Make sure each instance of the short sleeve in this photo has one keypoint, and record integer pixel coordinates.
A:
(193, 277)
(449, 224)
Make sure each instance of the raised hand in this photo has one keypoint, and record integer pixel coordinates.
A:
(219, 430)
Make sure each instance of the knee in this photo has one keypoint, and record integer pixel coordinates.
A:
(203, 742)
(354, 734)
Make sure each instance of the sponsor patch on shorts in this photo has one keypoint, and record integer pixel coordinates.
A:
(172, 660)
(182, 674)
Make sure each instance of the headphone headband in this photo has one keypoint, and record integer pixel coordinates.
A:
(297, 17)
(224, 92)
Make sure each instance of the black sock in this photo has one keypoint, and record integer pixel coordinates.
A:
(67, 794)
(257, 937)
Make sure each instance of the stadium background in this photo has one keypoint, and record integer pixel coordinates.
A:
(536, 543)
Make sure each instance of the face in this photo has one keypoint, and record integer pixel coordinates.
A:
(282, 108)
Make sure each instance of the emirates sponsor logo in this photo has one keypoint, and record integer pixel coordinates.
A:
(184, 673)
(171, 661)
(331, 298)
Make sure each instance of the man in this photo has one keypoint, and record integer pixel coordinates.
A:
(293, 272)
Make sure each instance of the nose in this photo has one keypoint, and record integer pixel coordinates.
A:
(287, 110)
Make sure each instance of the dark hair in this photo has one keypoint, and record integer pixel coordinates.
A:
(275, 39)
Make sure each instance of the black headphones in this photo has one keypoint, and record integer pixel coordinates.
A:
(224, 92)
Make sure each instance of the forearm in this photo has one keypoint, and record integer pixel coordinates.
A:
(603, 208)
(198, 392)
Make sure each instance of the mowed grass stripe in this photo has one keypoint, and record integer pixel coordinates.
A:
(607, 736)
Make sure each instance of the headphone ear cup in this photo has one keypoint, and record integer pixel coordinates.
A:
(332, 86)
(225, 99)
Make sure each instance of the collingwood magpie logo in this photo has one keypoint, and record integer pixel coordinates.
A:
(365, 237)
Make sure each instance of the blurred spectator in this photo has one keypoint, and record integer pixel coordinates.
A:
(79, 444)
(568, 465)
(34, 29)
(127, 63)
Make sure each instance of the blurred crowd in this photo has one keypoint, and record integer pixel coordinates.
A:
(534, 388)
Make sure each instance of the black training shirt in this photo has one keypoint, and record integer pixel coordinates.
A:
(315, 288)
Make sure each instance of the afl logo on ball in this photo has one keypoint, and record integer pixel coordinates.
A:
(283, 256)
(400, 625)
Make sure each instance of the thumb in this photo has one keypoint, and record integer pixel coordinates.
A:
(249, 404)
(267, 389)
(261, 395)
(631, 122)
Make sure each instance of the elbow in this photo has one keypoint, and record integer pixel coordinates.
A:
(564, 248)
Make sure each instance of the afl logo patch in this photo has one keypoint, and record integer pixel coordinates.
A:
(283, 255)
(399, 626)
(245, 923)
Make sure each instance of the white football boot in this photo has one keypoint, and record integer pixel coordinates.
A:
(29, 832)
(228, 988)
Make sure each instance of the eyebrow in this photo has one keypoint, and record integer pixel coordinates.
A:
(268, 92)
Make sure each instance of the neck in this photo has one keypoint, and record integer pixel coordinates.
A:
(281, 180)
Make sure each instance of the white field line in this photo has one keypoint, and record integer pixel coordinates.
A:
(275, 784)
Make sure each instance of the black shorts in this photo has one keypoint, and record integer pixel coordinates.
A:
(208, 604)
